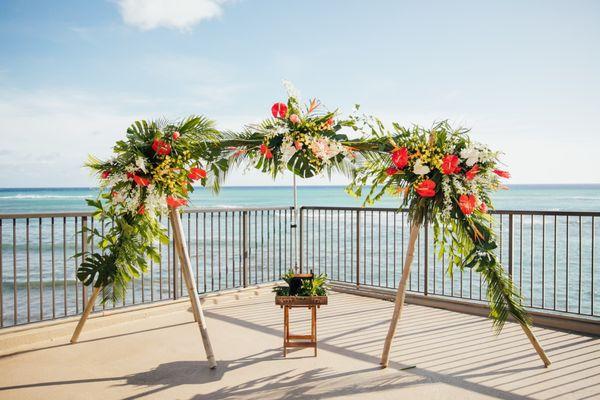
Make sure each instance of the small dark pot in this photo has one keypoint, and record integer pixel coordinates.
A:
(296, 282)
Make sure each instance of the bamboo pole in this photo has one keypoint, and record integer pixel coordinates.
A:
(536, 345)
(190, 282)
(86, 313)
(400, 294)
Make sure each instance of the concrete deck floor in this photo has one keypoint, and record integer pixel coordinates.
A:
(160, 355)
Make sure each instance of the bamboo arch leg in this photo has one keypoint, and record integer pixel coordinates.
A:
(536, 345)
(86, 313)
(400, 294)
(184, 261)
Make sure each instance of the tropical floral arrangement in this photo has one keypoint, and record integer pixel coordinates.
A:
(153, 169)
(303, 139)
(315, 286)
(447, 179)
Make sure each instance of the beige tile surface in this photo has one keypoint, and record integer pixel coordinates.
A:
(160, 356)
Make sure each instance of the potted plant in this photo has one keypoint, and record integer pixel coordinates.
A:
(302, 289)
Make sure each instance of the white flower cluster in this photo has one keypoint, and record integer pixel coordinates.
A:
(291, 90)
(446, 190)
(325, 149)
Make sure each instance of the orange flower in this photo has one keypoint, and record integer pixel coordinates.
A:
(472, 172)
(313, 105)
(196, 173)
(426, 188)
(392, 171)
(140, 181)
(467, 202)
(141, 210)
(400, 157)
(502, 174)
(265, 151)
(450, 164)
(161, 147)
(483, 207)
(176, 135)
(175, 202)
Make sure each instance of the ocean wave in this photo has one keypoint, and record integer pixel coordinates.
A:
(40, 196)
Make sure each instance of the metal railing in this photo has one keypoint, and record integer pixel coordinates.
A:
(551, 256)
(229, 248)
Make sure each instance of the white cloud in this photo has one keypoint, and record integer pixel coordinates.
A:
(174, 14)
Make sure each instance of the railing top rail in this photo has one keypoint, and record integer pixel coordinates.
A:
(72, 214)
(62, 214)
(504, 212)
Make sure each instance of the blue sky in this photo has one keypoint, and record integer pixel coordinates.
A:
(523, 74)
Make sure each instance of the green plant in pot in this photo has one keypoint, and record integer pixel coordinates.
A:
(302, 285)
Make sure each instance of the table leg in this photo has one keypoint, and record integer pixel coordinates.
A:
(314, 327)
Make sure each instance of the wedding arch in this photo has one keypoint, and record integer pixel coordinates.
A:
(441, 175)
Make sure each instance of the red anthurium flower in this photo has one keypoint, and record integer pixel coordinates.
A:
(105, 174)
(502, 174)
(196, 173)
(279, 110)
(141, 210)
(141, 181)
(176, 135)
(426, 188)
(400, 157)
(161, 147)
(467, 202)
(483, 207)
(175, 202)
(294, 118)
(472, 172)
(392, 171)
(450, 164)
(265, 151)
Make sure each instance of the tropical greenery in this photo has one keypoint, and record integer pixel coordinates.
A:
(304, 139)
(444, 177)
(441, 175)
(152, 169)
(315, 286)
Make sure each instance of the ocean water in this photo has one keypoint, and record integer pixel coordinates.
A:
(556, 260)
(518, 197)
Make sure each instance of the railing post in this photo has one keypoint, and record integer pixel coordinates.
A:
(357, 249)
(300, 238)
(245, 255)
(84, 224)
(174, 270)
(426, 260)
(510, 244)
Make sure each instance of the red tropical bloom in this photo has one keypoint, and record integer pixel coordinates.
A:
(175, 202)
(450, 164)
(502, 174)
(196, 173)
(140, 181)
(392, 171)
(400, 157)
(141, 210)
(265, 151)
(176, 135)
(472, 172)
(467, 202)
(279, 110)
(483, 207)
(329, 123)
(426, 188)
(161, 147)
(105, 174)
